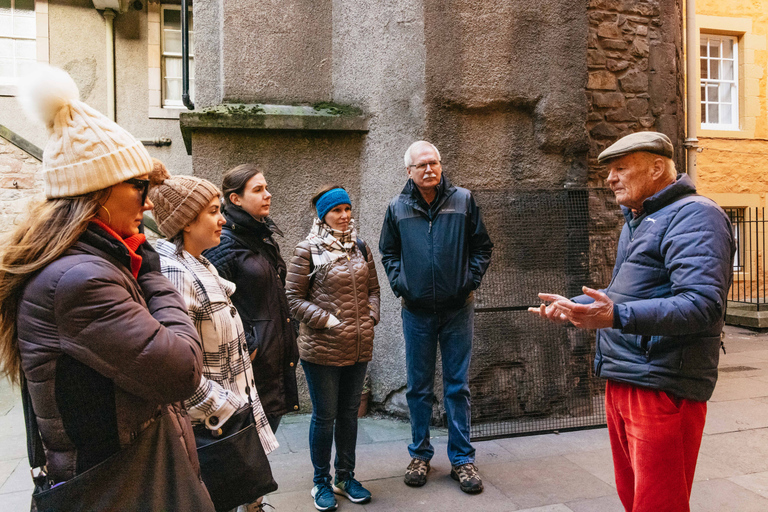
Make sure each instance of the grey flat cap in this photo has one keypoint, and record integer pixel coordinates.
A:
(652, 142)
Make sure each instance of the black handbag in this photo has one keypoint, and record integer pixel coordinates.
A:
(151, 474)
(232, 461)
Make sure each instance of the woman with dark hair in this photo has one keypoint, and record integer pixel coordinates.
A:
(187, 210)
(333, 290)
(249, 256)
(99, 339)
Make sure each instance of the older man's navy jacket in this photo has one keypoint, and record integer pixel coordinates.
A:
(435, 255)
(669, 287)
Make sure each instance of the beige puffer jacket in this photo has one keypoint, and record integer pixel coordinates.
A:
(348, 289)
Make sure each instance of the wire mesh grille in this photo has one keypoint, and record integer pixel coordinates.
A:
(527, 375)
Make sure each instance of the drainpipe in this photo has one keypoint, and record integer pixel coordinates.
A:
(692, 93)
(185, 56)
(109, 18)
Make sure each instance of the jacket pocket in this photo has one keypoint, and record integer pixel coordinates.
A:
(258, 334)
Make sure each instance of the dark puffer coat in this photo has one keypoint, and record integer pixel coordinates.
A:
(348, 289)
(669, 287)
(258, 271)
(101, 353)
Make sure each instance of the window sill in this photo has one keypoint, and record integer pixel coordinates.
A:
(8, 90)
(726, 134)
(165, 112)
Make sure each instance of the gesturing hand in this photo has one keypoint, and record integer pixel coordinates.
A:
(597, 315)
(550, 312)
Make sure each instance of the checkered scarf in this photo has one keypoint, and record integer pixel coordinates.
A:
(327, 244)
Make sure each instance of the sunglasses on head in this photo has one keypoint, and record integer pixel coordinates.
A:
(142, 186)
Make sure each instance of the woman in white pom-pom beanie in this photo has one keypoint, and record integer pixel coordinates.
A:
(99, 340)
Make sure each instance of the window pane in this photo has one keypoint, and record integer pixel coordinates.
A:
(714, 48)
(6, 48)
(727, 70)
(704, 113)
(191, 44)
(6, 24)
(714, 71)
(26, 49)
(725, 113)
(173, 89)
(728, 48)
(6, 68)
(25, 5)
(172, 18)
(172, 67)
(704, 69)
(703, 96)
(192, 90)
(712, 93)
(712, 114)
(172, 41)
(5, 6)
(191, 69)
(24, 26)
(725, 93)
(703, 49)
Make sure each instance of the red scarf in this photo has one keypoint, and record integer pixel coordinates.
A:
(131, 243)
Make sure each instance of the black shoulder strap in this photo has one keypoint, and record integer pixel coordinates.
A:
(35, 449)
(363, 248)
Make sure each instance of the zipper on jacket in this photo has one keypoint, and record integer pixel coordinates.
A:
(357, 305)
(432, 265)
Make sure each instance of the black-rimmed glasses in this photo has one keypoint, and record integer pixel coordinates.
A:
(142, 186)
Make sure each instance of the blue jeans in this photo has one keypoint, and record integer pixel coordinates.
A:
(423, 331)
(335, 394)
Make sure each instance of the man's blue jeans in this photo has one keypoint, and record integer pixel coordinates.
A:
(335, 394)
(423, 331)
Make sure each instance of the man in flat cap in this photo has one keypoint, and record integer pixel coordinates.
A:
(658, 322)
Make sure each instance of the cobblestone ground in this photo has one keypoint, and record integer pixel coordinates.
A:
(548, 473)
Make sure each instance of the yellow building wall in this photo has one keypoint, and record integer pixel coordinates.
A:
(733, 165)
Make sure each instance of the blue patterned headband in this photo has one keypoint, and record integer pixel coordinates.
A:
(330, 200)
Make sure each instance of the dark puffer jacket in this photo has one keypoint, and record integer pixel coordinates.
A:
(348, 289)
(101, 353)
(669, 287)
(258, 271)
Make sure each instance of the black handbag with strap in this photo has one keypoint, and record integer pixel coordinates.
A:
(233, 463)
(151, 474)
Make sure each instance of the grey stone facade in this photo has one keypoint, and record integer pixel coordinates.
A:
(517, 95)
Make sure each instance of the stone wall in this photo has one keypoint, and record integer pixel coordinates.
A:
(20, 184)
(635, 83)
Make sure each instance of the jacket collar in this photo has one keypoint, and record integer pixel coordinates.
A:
(413, 197)
(236, 216)
(683, 186)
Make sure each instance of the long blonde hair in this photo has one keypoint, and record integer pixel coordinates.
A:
(52, 227)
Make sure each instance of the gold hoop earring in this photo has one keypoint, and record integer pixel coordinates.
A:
(109, 222)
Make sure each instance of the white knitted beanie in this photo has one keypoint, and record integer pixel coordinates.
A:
(85, 150)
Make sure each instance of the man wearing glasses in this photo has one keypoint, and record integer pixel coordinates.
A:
(435, 249)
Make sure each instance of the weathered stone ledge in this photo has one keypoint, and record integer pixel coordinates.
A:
(258, 116)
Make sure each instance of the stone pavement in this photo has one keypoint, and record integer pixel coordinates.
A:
(549, 473)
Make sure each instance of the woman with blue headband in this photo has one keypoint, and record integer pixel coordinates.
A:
(333, 291)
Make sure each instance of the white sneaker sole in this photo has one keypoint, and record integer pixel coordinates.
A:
(342, 492)
(318, 507)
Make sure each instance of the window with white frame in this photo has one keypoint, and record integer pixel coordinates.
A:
(171, 56)
(719, 82)
(18, 48)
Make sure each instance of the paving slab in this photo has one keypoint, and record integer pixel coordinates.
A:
(756, 482)
(602, 504)
(722, 495)
(736, 415)
(746, 451)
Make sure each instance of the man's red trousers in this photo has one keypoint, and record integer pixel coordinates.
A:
(655, 440)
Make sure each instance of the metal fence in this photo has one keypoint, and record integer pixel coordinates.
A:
(749, 263)
(527, 375)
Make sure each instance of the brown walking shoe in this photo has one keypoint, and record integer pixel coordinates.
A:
(416, 473)
(468, 478)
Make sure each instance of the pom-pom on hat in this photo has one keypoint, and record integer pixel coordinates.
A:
(85, 151)
(330, 200)
(178, 199)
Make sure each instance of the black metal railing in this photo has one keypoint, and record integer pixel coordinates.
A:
(749, 263)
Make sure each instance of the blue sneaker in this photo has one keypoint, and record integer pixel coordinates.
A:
(352, 489)
(324, 498)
